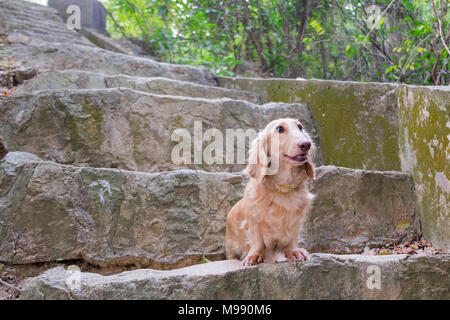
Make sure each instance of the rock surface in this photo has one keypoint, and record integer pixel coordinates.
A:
(51, 211)
(58, 80)
(100, 108)
(110, 216)
(424, 140)
(383, 127)
(127, 129)
(358, 208)
(26, 23)
(322, 277)
(357, 122)
(39, 39)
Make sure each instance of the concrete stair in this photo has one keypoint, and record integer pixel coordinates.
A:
(89, 178)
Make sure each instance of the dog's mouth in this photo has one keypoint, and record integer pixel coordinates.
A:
(302, 157)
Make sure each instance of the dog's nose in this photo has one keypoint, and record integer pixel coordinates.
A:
(304, 146)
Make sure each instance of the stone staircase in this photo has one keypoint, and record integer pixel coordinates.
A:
(89, 178)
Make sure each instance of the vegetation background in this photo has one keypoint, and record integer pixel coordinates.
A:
(402, 41)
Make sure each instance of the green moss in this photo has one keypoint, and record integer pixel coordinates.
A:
(85, 128)
(351, 134)
(72, 126)
(178, 122)
(136, 132)
(92, 125)
(424, 115)
(408, 123)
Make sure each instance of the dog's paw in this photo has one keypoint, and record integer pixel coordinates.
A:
(296, 254)
(253, 259)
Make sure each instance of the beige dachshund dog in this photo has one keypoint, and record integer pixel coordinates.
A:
(267, 221)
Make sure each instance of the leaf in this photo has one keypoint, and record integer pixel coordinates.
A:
(204, 260)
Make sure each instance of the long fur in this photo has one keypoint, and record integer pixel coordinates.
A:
(265, 224)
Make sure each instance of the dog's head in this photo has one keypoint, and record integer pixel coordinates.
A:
(283, 143)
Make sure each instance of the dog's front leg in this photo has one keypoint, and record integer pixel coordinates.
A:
(256, 253)
(294, 253)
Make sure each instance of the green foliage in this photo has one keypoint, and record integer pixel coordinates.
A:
(329, 39)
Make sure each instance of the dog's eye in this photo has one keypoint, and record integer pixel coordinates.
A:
(300, 127)
(280, 129)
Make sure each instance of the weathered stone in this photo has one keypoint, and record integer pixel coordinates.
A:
(26, 9)
(51, 56)
(51, 45)
(23, 74)
(127, 129)
(116, 217)
(26, 23)
(3, 151)
(322, 277)
(355, 208)
(382, 127)
(357, 122)
(56, 80)
(106, 42)
(50, 211)
(424, 114)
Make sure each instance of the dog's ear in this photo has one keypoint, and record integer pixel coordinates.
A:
(309, 167)
(258, 161)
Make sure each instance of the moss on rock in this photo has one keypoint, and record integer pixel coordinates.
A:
(424, 140)
(345, 113)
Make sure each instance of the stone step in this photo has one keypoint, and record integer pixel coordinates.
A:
(38, 23)
(67, 56)
(57, 80)
(44, 42)
(28, 11)
(127, 129)
(323, 276)
(25, 32)
(107, 217)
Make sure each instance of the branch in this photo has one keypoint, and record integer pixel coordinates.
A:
(382, 14)
(440, 27)
(303, 23)
(121, 29)
(9, 285)
(370, 74)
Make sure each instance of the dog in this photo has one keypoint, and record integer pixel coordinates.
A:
(267, 221)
